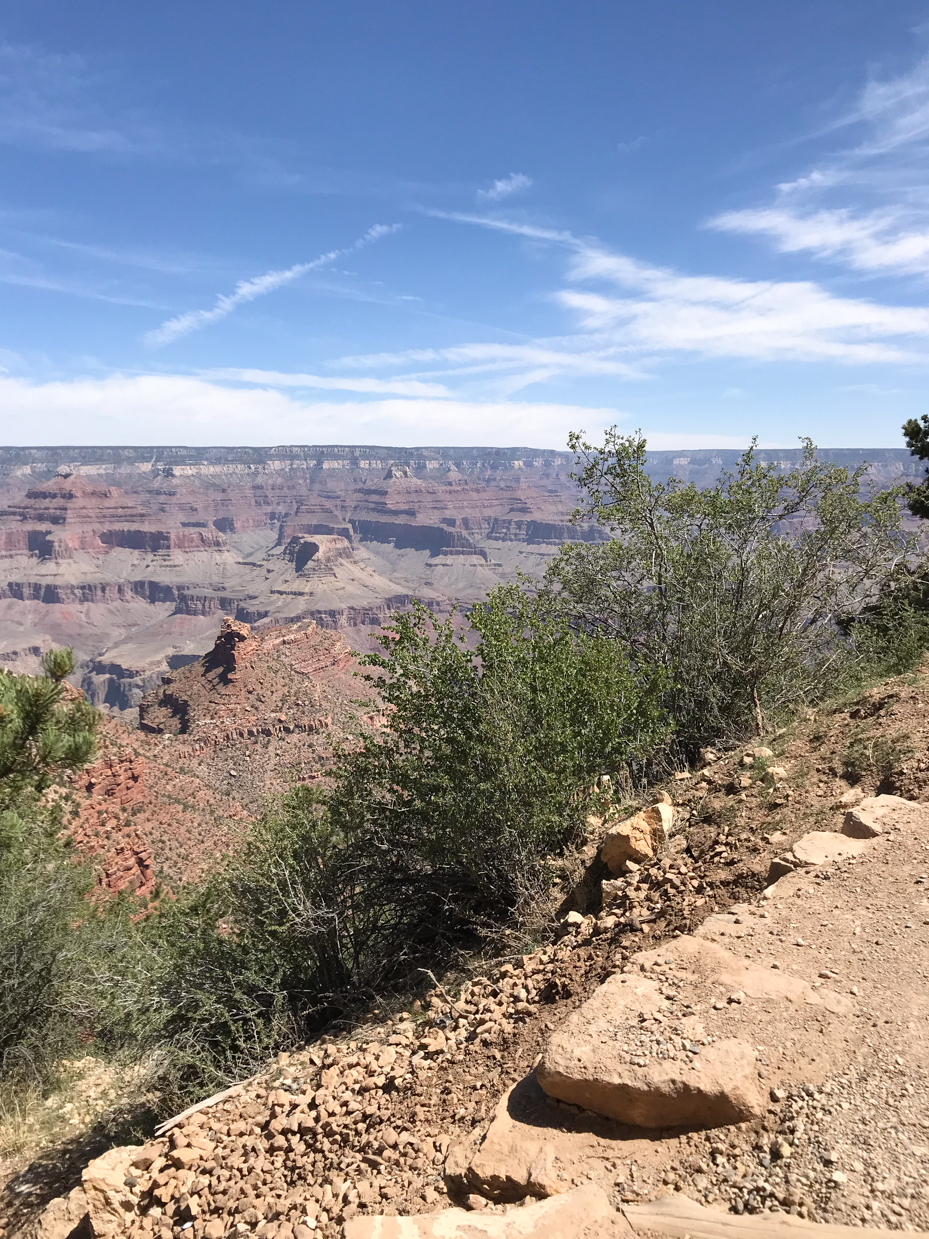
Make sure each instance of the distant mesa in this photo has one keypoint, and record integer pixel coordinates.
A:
(313, 555)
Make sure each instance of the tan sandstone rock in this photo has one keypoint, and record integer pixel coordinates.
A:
(62, 1216)
(600, 1059)
(638, 838)
(110, 1203)
(584, 1213)
(821, 846)
(638, 1054)
(873, 814)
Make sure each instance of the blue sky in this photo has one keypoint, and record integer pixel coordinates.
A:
(423, 222)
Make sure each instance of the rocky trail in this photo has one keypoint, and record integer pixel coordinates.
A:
(727, 1034)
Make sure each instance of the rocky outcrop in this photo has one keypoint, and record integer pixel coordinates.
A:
(110, 792)
(636, 839)
(316, 556)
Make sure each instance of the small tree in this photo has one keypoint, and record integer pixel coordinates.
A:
(916, 434)
(42, 890)
(736, 589)
(39, 735)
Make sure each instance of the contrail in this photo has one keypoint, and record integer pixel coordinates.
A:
(259, 286)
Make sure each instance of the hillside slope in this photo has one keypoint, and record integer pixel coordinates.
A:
(777, 917)
(257, 714)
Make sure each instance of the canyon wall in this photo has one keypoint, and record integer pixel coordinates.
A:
(135, 555)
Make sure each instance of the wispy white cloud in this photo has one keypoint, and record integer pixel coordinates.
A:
(484, 358)
(721, 317)
(875, 241)
(47, 100)
(895, 111)
(867, 203)
(146, 409)
(505, 187)
(21, 271)
(276, 378)
(259, 286)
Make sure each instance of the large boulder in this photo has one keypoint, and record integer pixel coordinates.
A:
(638, 838)
(673, 1041)
(605, 1059)
(872, 815)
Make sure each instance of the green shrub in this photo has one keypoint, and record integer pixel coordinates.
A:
(737, 590)
(433, 831)
(43, 902)
(891, 635)
(43, 905)
(870, 755)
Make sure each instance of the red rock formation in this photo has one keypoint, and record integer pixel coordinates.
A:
(105, 826)
(68, 514)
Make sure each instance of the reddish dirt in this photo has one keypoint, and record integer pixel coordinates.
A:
(258, 714)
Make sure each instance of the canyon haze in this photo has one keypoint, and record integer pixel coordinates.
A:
(134, 556)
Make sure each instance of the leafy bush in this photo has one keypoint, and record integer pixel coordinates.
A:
(433, 830)
(875, 756)
(736, 589)
(42, 891)
(42, 904)
(39, 736)
(891, 635)
(476, 774)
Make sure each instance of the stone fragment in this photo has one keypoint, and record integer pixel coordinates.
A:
(611, 891)
(184, 1158)
(860, 824)
(584, 1213)
(782, 865)
(872, 814)
(638, 838)
(62, 1216)
(822, 846)
(853, 796)
(110, 1204)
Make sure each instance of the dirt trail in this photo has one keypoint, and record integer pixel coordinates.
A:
(402, 1116)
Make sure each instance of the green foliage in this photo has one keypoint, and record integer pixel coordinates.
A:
(43, 908)
(43, 904)
(489, 736)
(891, 634)
(40, 736)
(916, 434)
(433, 830)
(736, 589)
(870, 755)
